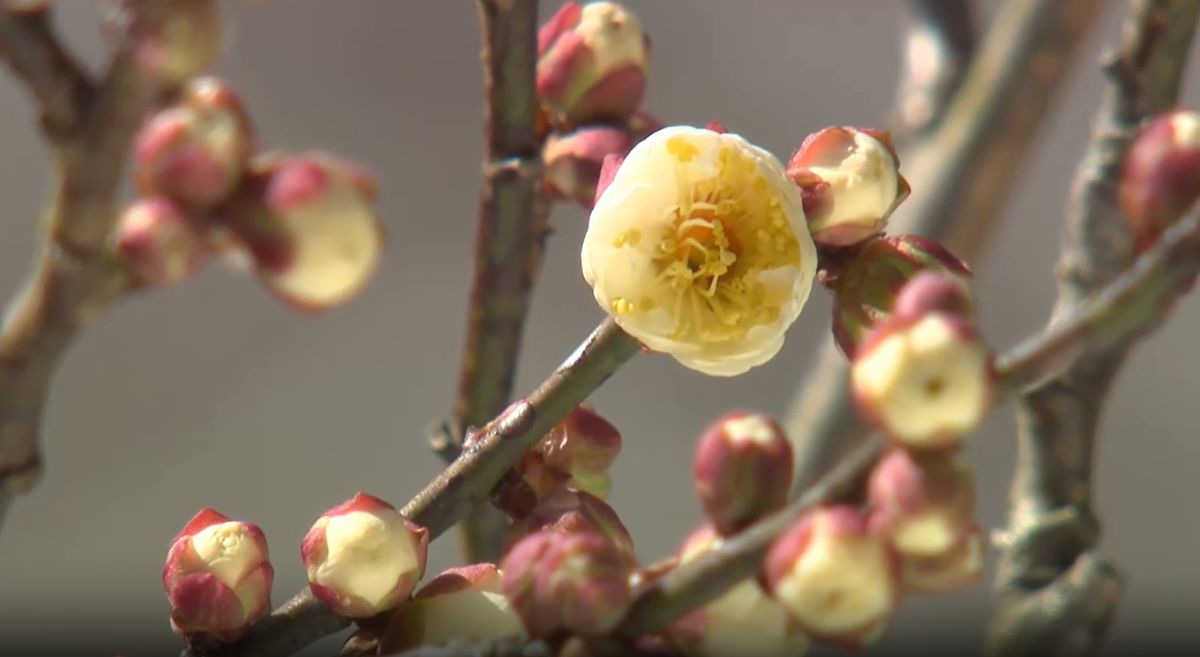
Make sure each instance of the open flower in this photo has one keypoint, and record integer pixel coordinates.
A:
(699, 249)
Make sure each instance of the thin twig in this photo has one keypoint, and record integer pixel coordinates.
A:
(961, 175)
(1054, 590)
(939, 41)
(59, 85)
(464, 484)
(73, 281)
(508, 242)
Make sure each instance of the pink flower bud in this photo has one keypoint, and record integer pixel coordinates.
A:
(745, 620)
(922, 504)
(926, 382)
(837, 579)
(217, 577)
(184, 44)
(929, 292)
(577, 581)
(570, 511)
(584, 445)
(1160, 175)
(850, 183)
(157, 243)
(949, 572)
(865, 288)
(310, 225)
(592, 63)
(195, 152)
(742, 469)
(362, 557)
(461, 603)
(574, 160)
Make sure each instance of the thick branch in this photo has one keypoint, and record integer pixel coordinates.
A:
(509, 239)
(466, 483)
(57, 82)
(1052, 587)
(939, 41)
(960, 174)
(73, 281)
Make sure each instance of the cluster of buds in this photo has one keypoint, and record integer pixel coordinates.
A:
(305, 220)
(1160, 175)
(568, 511)
(591, 77)
(576, 454)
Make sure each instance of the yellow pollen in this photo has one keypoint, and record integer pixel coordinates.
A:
(683, 150)
(630, 237)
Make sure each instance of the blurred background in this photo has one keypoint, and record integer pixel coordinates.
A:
(212, 393)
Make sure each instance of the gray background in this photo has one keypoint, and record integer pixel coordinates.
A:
(214, 394)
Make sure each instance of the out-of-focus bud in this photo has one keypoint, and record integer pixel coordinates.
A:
(742, 469)
(836, 578)
(183, 44)
(461, 603)
(922, 503)
(1160, 175)
(584, 445)
(949, 572)
(574, 160)
(925, 381)
(642, 124)
(592, 63)
(157, 243)
(24, 6)
(930, 292)
(217, 577)
(309, 223)
(850, 182)
(196, 151)
(570, 511)
(743, 621)
(574, 581)
(865, 289)
(362, 557)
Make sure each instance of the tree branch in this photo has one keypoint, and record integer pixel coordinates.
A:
(464, 484)
(508, 242)
(73, 281)
(939, 41)
(960, 174)
(1054, 591)
(59, 85)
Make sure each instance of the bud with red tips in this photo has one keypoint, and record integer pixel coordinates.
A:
(217, 577)
(925, 381)
(570, 511)
(949, 572)
(1160, 175)
(575, 581)
(157, 243)
(309, 223)
(195, 151)
(866, 287)
(462, 603)
(363, 557)
(836, 578)
(181, 45)
(573, 161)
(592, 63)
(584, 445)
(922, 503)
(850, 183)
(742, 469)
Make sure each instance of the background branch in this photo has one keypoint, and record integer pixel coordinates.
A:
(939, 41)
(508, 242)
(961, 173)
(1054, 591)
(59, 85)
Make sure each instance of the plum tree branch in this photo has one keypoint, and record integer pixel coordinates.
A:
(939, 41)
(1054, 590)
(59, 85)
(961, 173)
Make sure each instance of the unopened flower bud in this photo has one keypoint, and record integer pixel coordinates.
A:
(584, 445)
(157, 243)
(592, 63)
(574, 160)
(461, 603)
(309, 223)
(922, 503)
(576, 581)
(1160, 175)
(183, 44)
(217, 577)
(865, 288)
(949, 572)
(196, 151)
(363, 557)
(850, 181)
(926, 382)
(742, 470)
(745, 620)
(836, 578)
(570, 511)
(929, 292)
